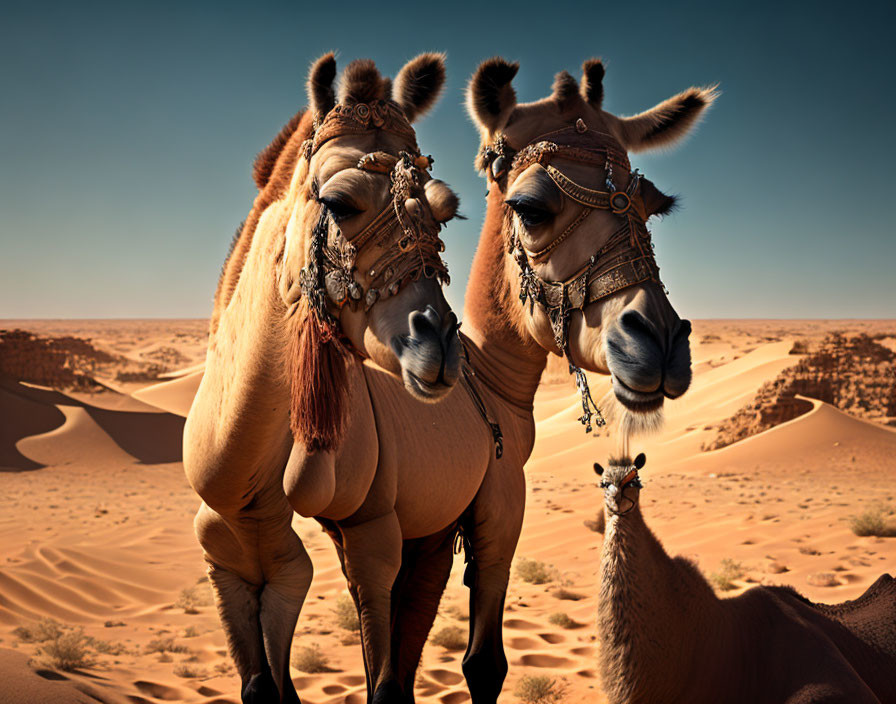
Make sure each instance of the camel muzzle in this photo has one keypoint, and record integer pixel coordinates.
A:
(429, 354)
(648, 366)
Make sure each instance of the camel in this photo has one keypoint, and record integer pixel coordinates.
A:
(666, 637)
(335, 276)
(564, 266)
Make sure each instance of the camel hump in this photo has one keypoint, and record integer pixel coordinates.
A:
(871, 617)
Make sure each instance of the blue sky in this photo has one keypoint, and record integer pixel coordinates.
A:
(129, 129)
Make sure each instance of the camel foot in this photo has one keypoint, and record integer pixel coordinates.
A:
(261, 689)
(389, 692)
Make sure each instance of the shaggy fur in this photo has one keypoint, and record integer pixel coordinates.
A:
(666, 637)
(593, 82)
(490, 95)
(655, 201)
(361, 82)
(317, 375)
(565, 91)
(267, 157)
(321, 96)
(665, 124)
(419, 84)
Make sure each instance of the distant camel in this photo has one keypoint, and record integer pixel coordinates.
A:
(331, 288)
(665, 637)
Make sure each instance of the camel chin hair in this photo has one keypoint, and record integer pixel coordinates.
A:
(628, 423)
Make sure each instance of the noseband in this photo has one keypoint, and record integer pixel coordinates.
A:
(409, 242)
(626, 259)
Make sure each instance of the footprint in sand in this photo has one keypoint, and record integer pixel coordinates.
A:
(454, 697)
(544, 660)
(520, 624)
(552, 638)
(523, 643)
(445, 677)
(351, 680)
(159, 691)
(333, 689)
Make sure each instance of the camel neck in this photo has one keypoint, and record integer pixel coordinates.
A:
(655, 616)
(507, 362)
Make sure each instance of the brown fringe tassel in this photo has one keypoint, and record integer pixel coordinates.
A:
(318, 376)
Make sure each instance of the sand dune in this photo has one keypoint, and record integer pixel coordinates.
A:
(99, 535)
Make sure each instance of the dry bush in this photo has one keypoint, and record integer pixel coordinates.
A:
(566, 595)
(800, 347)
(873, 522)
(729, 570)
(346, 613)
(188, 670)
(192, 598)
(191, 632)
(563, 621)
(165, 645)
(46, 629)
(533, 571)
(310, 659)
(823, 579)
(456, 612)
(69, 651)
(450, 638)
(107, 647)
(538, 689)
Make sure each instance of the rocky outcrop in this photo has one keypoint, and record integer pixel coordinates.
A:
(855, 374)
(65, 362)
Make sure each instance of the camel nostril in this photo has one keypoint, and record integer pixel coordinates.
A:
(635, 324)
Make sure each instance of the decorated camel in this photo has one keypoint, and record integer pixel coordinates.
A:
(564, 266)
(333, 285)
(666, 637)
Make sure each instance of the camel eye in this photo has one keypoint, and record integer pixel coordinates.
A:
(339, 209)
(530, 212)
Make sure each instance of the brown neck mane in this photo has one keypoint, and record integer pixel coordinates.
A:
(506, 359)
(272, 172)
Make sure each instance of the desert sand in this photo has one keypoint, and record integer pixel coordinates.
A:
(96, 520)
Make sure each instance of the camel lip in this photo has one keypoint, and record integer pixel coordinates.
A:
(424, 390)
(637, 401)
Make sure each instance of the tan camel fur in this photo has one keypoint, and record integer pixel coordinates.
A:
(270, 351)
(665, 637)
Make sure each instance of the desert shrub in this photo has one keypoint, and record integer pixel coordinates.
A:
(538, 689)
(70, 650)
(191, 632)
(44, 630)
(729, 570)
(800, 347)
(450, 638)
(192, 598)
(347, 614)
(107, 647)
(533, 571)
(165, 645)
(458, 613)
(872, 522)
(563, 620)
(310, 659)
(566, 595)
(188, 670)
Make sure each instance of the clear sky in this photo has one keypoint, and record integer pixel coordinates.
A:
(127, 133)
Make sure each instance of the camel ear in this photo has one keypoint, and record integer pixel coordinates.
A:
(565, 91)
(418, 84)
(321, 96)
(668, 122)
(640, 460)
(655, 201)
(593, 82)
(598, 469)
(361, 82)
(490, 97)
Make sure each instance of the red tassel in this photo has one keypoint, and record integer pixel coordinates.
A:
(318, 376)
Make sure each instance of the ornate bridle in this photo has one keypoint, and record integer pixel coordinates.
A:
(411, 245)
(627, 258)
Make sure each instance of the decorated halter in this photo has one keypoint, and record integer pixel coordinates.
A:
(626, 259)
(410, 246)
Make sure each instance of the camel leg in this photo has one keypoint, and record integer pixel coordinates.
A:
(492, 526)
(425, 567)
(260, 573)
(372, 553)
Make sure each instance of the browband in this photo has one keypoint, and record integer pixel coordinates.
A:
(625, 260)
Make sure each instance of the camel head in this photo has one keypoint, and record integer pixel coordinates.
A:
(620, 482)
(578, 252)
(362, 246)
